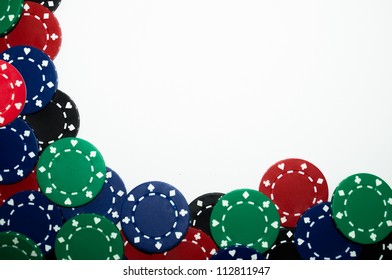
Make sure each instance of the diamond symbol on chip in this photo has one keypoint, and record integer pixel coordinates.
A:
(136, 240)
(245, 194)
(339, 215)
(172, 193)
(325, 208)
(61, 239)
(353, 254)
(300, 241)
(341, 193)
(158, 245)
(151, 188)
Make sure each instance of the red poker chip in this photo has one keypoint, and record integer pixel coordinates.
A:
(13, 93)
(38, 27)
(29, 183)
(196, 245)
(294, 185)
(131, 253)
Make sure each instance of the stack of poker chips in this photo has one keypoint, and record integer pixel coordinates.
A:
(59, 199)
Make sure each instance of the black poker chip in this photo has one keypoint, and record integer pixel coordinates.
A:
(50, 4)
(201, 209)
(284, 247)
(378, 251)
(57, 120)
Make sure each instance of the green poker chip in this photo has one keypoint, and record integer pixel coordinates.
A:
(71, 172)
(16, 246)
(10, 13)
(362, 208)
(245, 217)
(89, 237)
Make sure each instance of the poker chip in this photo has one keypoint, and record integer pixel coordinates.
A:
(89, 237)
(13, 93)
(38, 72)
(155, 217)
(71, 172)
(50, 4)
(316, 236)
(108, 202)
(10, 12)
(38, 27)
(245, 217)
(381, 250)
(238, 252)
(132, 253)
(294, 185)
(16, 246)
(29, 183)
(196, 245)
(284, 247)
(201, 209)
(32, 214)
(18, 150)
(57, 120)
(362, 208)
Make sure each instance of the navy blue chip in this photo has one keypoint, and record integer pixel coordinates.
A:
(107, 203)
(32, 214)
(317, 237)
(238, 252)
(155, 217)
(38, 72)
(18, 150)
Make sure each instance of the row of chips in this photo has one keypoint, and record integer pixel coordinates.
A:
(59, 200)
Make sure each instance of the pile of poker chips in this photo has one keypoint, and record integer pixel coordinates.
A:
(59, 200)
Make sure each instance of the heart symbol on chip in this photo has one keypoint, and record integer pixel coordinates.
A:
(97, 220)
(27, 50)
(281, 166)
(74, 142)
(232, 253)
(11, 202)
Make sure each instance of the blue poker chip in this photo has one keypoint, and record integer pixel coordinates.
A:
(238, 252)
(18, 150)
(108, 202)
(155, 217)
(317, 237)
(38, 72)
(32, 214)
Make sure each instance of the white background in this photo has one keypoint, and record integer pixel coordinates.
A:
(207, 95)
